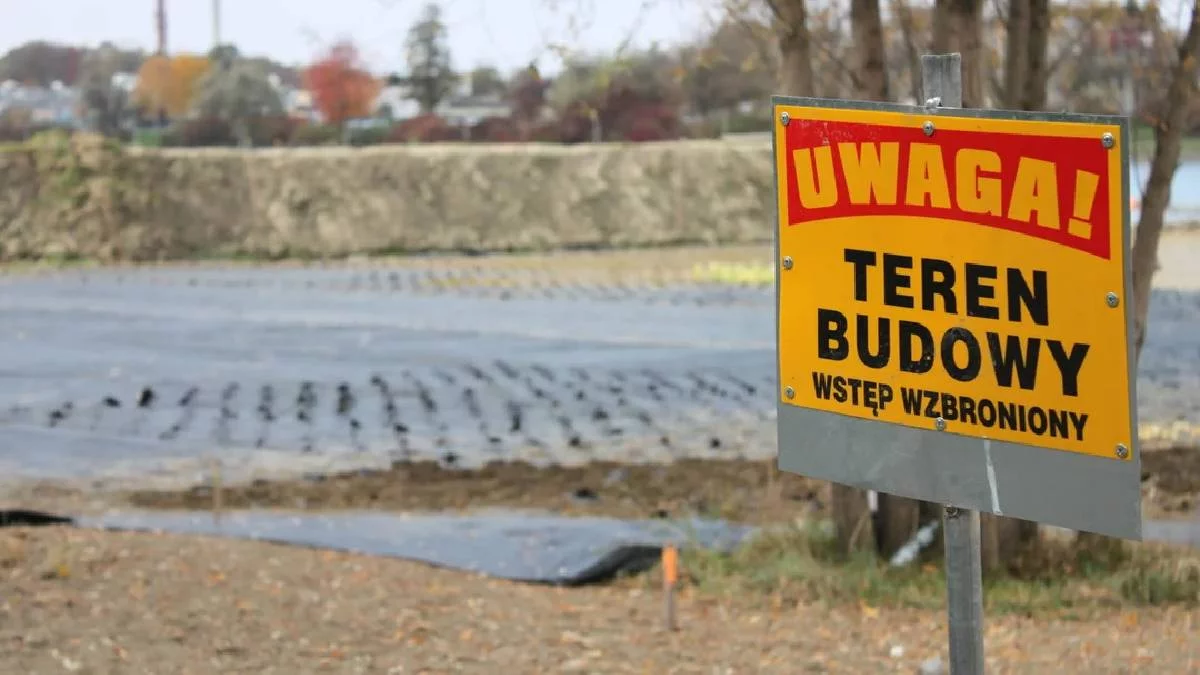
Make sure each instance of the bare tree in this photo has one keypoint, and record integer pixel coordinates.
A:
(897, 518)
(1036, 61)
(1168, 135)
(958, 27)
(866, 25)
(795, 45)
(1016, 52)
(906, 22)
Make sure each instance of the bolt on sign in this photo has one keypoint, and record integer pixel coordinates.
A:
(952, 314)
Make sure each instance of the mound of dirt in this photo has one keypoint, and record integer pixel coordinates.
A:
(736, 489)
(741, 490)
(69, 198)
(1171, 477)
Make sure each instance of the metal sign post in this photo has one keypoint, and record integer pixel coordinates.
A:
(941, 85)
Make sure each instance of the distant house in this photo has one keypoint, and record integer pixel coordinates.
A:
(393, 102)
(459, 109)
(297, 103)
(471, 110)
(126, 82)
(56, 105)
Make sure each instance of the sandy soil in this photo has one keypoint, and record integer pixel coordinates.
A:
(92, 602)
(1177, 255)
(740, 490)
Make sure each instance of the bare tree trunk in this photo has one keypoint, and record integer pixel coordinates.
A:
(866, 25)
(791, 25)
(958, 27)
(1036, 60)
(898, 517)
(912, 52)
(1025, 80)
(851, 513)
(1167, 137)
(851, 520)
(1016, 53)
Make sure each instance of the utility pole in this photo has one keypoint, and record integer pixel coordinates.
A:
(160, 25)
(216, 23)
(161, 29)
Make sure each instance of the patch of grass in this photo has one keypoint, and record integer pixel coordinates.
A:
(1067, 577)
(741, 274)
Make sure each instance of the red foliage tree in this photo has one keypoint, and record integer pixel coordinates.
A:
(528, 97)
(627, 115)
(341, 87)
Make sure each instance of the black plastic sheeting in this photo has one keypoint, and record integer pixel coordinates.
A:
(521, 546)
(28, 518)
(115, 374)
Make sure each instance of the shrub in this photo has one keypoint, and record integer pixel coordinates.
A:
(273, 130)
(199, 133)
(575, 123)
(546, 132)
(424, 129)
(314, 134)
(369, 136)
(496, 130)
(645, 122)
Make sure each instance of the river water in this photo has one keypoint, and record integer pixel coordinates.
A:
(1184, 209)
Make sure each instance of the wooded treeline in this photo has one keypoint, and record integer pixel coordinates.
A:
(1023, 55)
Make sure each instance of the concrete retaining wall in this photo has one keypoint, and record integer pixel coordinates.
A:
(89, 199)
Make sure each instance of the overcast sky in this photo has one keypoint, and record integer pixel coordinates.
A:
(507, 33)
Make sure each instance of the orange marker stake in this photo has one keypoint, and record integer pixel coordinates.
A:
(670, 567)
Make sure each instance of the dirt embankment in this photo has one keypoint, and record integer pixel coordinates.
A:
(86, 198)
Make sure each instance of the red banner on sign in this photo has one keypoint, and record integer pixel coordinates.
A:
(1047, 187)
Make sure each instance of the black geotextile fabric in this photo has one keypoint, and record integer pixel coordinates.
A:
(521, 546)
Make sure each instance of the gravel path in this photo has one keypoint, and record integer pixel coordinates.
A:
(92, 602)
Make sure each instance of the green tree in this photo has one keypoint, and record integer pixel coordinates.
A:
(430, 75)
(487, 81)
(237, 91)
(106, 105)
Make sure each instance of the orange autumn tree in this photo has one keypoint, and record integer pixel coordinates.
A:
(168, 83)
(341, 86)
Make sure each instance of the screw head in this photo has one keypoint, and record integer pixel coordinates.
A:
(1112, 299)
(1122, 451)
(784, 118)
(789, 392)
(787, 262)
(1107, 140)
(927, 127)
(940, 424)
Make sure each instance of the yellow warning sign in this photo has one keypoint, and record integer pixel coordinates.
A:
(965, 274)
